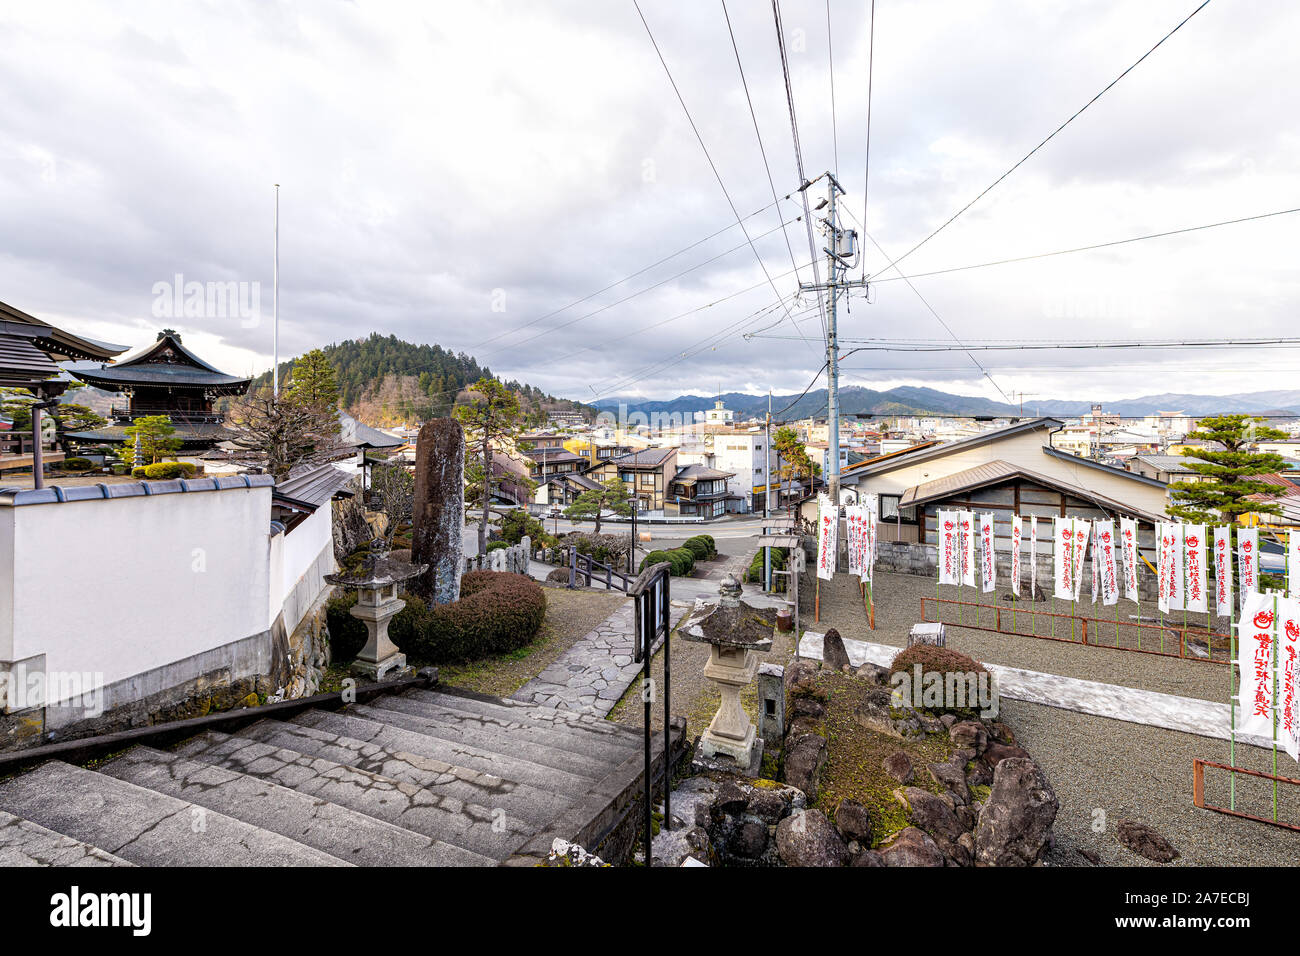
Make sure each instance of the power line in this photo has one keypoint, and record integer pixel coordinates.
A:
(1058, 129)
(950, 332)
(700, 139)
(798, 153)
(1099, 245)
(762, 151)
(626, 278)
(871, 68)
(830, 62)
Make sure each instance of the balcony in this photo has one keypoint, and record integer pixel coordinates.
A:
(124, 416)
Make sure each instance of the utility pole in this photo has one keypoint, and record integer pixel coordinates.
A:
(275, 305)
(841, 255)
(767, 454)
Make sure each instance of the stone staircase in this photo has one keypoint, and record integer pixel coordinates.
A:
(421, 777)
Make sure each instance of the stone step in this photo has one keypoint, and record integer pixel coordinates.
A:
(485, 830)
(529, 803)
(23, 843)
(336, 830)
(565, 748)
(143, 826)
(528, 713)
(502, 766)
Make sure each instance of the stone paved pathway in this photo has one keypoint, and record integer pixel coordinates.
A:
(1186, 714)
(592, 674)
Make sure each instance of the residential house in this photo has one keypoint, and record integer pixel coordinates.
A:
(646, 474)
(698, 491)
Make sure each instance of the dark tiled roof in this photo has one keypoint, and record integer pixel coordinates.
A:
(693, 473)
(645, 458)
(359, 435)
(196, 432)
(59, 344)
(314, 486)
(166, 363)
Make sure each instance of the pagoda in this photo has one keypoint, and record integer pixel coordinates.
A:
(166, 379)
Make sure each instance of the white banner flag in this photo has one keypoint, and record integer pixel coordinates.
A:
(990, 558)
(1129, 550)
(1062, 550)
(1223, 571)
(1162, 537)
(949, 566)
(1109, 571)
(854, 526)
(1017, 530)
(1081, 529)
(870, 544)
(1293, 564)
(1096, 567)
(1033, 558)
(828, 537)
(1248, 561)
(966, 526)
(1289, 633)
(1177, 570)
(1194, 567)
(1256, 650)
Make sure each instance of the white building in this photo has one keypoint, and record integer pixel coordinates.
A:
(718, 415)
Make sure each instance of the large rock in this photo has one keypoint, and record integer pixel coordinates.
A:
(805, 756)
(1015, 824)
(439, 509)
(899, 766)
(853, 822)
(931, 813)
(952, 777)
(807, 838)
(834, 656)
(749, 841)
(1146, 842)
(969, 735)
(912, 847)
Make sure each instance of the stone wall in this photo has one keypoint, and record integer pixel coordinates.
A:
(513, 559)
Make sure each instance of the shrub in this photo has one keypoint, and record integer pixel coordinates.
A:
(940, 660)
(654, 557)
(164, 470)
(755, 570)
(698, 549)
(703, 543)
(683, 561)
(348, 635)
(75, 464)
(497, 545)
(497, 612)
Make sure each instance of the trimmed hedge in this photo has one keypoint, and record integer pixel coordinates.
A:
(755, 570)
(497, 545)
(496, 613)
(681, 561)
(702, 546)
(76, 464)
(164, 470)
(939, 660)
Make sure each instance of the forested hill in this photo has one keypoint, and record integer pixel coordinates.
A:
(386, 381)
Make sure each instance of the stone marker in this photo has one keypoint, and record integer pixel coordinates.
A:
(439, 509)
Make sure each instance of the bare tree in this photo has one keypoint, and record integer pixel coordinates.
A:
(280, 434)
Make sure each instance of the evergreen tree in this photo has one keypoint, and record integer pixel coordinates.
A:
(153, 434)
(612, 496)
(1231, 470)
(492, 420)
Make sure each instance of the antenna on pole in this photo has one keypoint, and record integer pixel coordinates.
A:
(275, 303)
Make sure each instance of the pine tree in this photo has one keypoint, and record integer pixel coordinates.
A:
(492, 420)
(1230, 470)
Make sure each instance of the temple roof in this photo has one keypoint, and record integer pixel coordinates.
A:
(57, 343)
(186, 432)
(165, 364)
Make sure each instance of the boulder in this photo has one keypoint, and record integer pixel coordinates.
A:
(969, 735)
(834, 656)
(671, 847)
(873, 673)
(805, 756)
(899, 766)
(912, 847)
(930, 813)
(807, 838)
(749, 841)
(1146, 842)
(853, 821)
(952, 777)
(807, 707)
(995, 753)
(868, 858)
(730, 801)
(1015, 824)
(767, 806)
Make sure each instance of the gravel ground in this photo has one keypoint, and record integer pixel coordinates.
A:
(1128, 771)
(898, 607)
(1124, 770)
(570, 615)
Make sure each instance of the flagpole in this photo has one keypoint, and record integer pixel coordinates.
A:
(1232, 674)
(275, 304)
(1277, 633)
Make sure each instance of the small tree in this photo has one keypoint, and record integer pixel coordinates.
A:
(153, 434)
(1231, 471)
(395, 485)
(793, 456)
(279, 434)
(611, 496)
(78, 418)
(313, 382)
(492, 420)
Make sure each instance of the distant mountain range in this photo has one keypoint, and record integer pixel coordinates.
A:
(909, 400)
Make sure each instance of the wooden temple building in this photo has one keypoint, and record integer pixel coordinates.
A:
(165, 379)
(29, 352)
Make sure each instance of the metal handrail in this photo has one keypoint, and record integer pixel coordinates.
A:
(652, 614)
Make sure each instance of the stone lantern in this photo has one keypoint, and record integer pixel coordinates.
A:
(376, 580)
(734, 631)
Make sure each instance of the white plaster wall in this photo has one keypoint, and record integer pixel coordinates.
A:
(122, 586)
(306, 554)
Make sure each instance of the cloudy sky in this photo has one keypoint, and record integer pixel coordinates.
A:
(462, 173)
